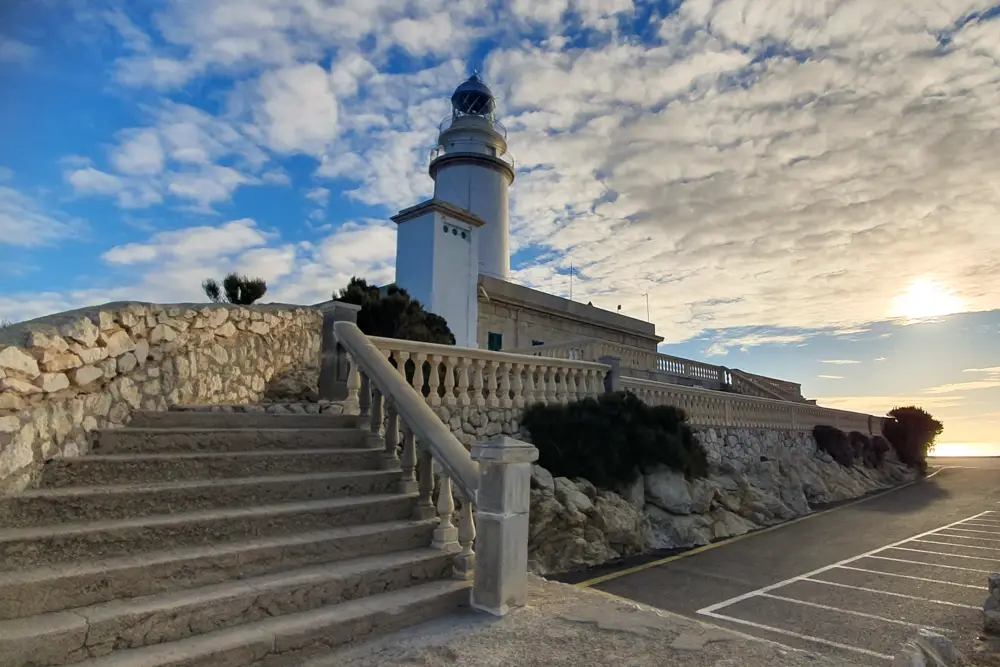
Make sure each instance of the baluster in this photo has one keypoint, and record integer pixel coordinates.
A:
(375, 423)
(552, 385)
(418, 373)
(477, 383)
(408, 482)
(516, 387)
(390, 458)
(425, 486)
(542, 395)
(572, 384)
(449, 381)
(528, 391)
(434, 380)
(446, 534)
(353, 385)
(464, 398)
(505, 373)
(365, 396)
(491, 378)
(401, 358)
(465, 561)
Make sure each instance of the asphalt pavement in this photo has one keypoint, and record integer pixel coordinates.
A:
(855, 581)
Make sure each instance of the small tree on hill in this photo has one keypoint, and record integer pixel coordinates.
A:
(394, 314)
(236, 289)
(911, 432)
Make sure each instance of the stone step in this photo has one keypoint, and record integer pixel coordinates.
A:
(184, 419)
(40, 590)
(284, 639)
(37, 507)
(95, 469)
(47, 545)
(88, 632)
(165, 440)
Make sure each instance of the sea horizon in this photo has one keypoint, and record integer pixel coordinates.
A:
(970, 449)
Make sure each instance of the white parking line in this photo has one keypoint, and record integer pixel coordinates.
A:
(861, 614)
(967, 537)
(908, 576)
(893, 594)
(972, 530)
(941, 553)
(964, 546)
(797, 635)
(712, 610)
(982, 522)
(920, 562)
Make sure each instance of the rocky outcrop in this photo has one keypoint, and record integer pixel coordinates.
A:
(734, 500)
(574, 524)
(991, 609)
(65, 375)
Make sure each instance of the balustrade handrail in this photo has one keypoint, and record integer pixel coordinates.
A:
(706, 399)
(792, 388)
(455, 460)
(475, 353)
(768, 391)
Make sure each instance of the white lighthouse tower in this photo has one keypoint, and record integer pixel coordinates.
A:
(472, 170)
(445, 243)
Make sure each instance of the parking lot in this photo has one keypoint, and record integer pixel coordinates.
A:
(870, 603)
(855, 582)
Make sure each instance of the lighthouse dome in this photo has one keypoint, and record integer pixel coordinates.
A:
(473, 98)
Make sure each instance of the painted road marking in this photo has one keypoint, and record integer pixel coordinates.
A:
(941, 553)
(789, 633)
(964, 546)
(712, 611)
(861, 614)
(972, 530)
(920, 562)
(967, 537)
(893, 594)
(906, 576)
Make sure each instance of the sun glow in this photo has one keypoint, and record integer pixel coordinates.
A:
(926, 298)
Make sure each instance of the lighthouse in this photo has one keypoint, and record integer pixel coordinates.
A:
(445, 243)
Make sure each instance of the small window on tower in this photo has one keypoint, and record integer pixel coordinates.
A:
(491, 150)
(494, 341)
(536, 343)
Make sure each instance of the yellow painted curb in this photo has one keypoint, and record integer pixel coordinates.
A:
(714, 545)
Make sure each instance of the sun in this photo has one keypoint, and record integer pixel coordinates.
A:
(926, 298)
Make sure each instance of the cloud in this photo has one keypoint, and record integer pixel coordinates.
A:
(831, 377)
(24, 223)
(319, 196)
(992, 380)
(839, 362)
(16, 52)
(141, 153)
(191, 243)
(94, 181)
(298, 110)
(206, 186)
(879, 359)
(880, 405)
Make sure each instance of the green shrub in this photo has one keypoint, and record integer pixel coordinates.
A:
(880, 447)
(834, 442)
(911, 432)
(612, 439)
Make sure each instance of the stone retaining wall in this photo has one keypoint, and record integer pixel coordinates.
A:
(64, 375)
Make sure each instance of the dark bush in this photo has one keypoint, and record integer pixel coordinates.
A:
(612, 439)
(392, 313)
(834, 442)
(911, 432)
(236, 289)
(880, 447)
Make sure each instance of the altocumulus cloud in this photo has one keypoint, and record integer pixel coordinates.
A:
(744, 164)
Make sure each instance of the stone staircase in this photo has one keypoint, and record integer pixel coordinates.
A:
(216, 539)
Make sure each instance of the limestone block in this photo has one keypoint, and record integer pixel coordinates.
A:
(142, 351)
(22, 387)
(105, 320)
(667, 488)
(126, 363)
(44, 340)
(118, 343)
(109, 367)
(53, 362)
(227, 330)
(162, 333)
(15, 359)
(82, 331)
(260, 328)
(927, 649)
(542, 478)
(98, 404)
(9, 424)
(51, 382)
(83, 376)
(89, 355)
(11, 401)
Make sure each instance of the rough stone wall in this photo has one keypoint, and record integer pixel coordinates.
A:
(743, 447)
(474, 424)
(65, 375)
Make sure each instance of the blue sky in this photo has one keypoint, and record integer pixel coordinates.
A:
(803, 189)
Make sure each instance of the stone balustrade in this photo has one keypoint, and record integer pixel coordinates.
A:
(394, 384)
(707, 408)
(465, 377)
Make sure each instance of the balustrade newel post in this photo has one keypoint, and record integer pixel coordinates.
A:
(501, 523)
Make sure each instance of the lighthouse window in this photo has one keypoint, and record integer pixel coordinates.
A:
(446, 229)
(454, 232)
(463, 235)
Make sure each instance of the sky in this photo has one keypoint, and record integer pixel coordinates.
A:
(799, 188)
